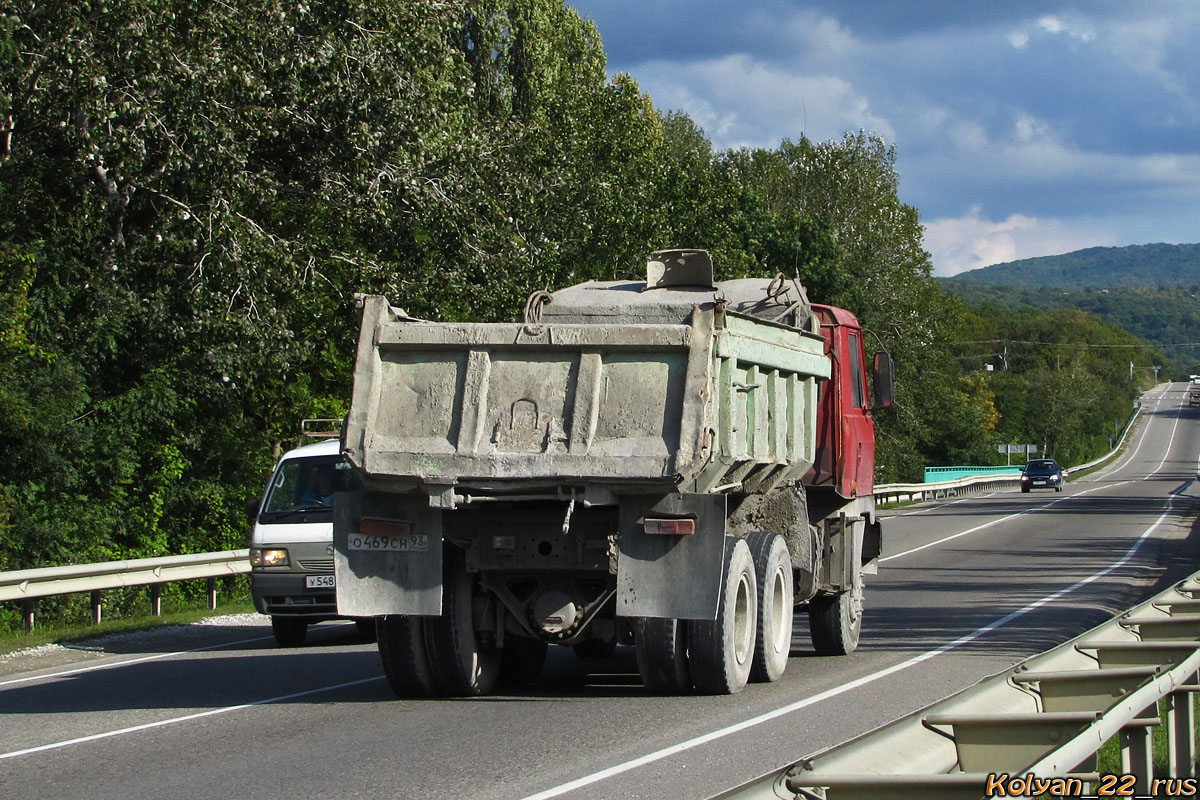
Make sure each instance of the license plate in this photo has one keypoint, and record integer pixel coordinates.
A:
(318, 582)
(1039, 483)
(404, 543)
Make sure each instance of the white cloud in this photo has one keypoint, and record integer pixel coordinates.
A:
(761, 103)
(1076, 30)
(1079, 30)
(1027, 128)
(961, 244)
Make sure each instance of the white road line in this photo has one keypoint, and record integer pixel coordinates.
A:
(110, 665)
(666, 752)
(997, 521)
(155, 657)
(977, 528)
(939, 506)
(1171, 441)
(173, 720)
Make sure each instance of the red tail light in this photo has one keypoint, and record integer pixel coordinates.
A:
(670, 527)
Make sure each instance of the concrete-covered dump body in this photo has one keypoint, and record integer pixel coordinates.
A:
(617, 386)
(624, 465)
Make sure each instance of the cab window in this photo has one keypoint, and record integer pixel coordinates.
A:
(857, 396)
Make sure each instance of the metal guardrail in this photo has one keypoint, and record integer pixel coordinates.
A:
(1035, 728)
(29, 584)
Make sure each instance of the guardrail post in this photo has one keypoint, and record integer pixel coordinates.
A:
(96, 606)
(27, 609)
(212, 594)
(1137, 748)
(1181, 737)
(156, 599)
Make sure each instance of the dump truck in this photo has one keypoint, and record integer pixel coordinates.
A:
(674, 463)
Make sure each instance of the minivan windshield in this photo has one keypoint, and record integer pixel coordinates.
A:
(306, 486)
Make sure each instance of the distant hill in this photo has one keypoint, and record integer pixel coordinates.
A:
(1145, 266)
(1152, 291)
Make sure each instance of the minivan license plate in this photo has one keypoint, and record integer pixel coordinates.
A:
(318, 582)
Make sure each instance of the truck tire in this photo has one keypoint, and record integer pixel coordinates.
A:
(289, 631)
(405, 659)
(661, 648)
(521, 661)
(721, 651)
(462, 665)
(773, 640)
(834, 621)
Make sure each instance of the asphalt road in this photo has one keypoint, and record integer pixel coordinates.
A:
(966, 588)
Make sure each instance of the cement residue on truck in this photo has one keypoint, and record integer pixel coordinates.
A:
(673, 463)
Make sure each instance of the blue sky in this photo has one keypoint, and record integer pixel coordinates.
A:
(1022, 128)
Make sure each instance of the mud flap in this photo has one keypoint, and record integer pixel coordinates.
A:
(387, 554)
(671, 576)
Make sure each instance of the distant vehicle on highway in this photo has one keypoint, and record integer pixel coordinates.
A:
(1194, 397)
(1041, 473)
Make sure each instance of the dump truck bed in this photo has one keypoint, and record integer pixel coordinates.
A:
(709, 402)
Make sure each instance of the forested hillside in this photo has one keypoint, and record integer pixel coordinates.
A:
(1147, 266)
(1058, 379)
(1169, 319)
(191, 194)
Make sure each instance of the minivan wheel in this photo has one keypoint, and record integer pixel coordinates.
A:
(289, 631)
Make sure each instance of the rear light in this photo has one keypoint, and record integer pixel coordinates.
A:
(670, 527)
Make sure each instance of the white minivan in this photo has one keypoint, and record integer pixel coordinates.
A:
(291, 546)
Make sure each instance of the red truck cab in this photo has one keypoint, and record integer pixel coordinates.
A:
(845, 454)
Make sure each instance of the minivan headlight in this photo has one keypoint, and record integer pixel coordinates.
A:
(268, 557)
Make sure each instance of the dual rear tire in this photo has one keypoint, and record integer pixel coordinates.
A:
(431, 656)
(750, 638)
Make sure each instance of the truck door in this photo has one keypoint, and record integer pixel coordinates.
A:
(845, 459)
(857, 470)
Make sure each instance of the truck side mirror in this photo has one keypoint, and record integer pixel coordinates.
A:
(253, 505)
(884, 380)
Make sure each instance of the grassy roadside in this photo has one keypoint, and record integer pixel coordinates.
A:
(59, 633)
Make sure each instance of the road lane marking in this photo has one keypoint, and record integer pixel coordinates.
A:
(977, 528)
(141, 659)
(187, 717)
(1170, 441)
(938, 506)
(997, 521)
(666, 752)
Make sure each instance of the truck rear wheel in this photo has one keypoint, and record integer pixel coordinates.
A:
(773, 641)
(462, 665)
(834, 621)
(721, 651)
(661, 647)
(289, 631)
(405, 660)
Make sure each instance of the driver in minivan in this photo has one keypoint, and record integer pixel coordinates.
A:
(320, 486)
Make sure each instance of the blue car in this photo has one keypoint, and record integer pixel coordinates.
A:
(1042, 473)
